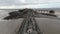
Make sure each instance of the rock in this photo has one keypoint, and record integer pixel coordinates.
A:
(18, 14)
(14, 14)
(8, 17)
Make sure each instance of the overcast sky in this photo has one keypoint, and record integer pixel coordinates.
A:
(30, 3)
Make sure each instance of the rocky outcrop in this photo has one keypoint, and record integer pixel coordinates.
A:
(17, 14)
(23, 12)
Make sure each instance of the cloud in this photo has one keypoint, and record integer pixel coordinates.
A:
(29, 4)
(48, 5)
(21, 2)
(54, 1)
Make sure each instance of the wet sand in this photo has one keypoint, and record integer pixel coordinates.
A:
(49, 26)
(10, 26)
(46, 25)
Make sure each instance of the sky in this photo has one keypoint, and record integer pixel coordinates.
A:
(29, 4)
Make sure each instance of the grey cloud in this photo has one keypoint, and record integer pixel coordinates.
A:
(17, 2)
(9, 2)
